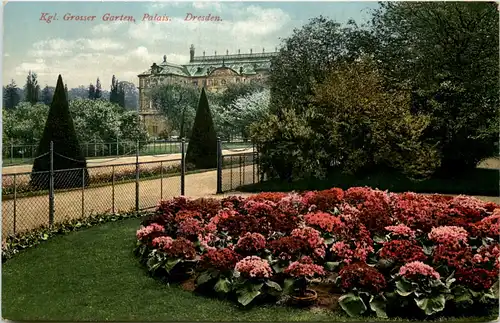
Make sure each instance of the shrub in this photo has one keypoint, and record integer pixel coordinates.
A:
(390, 252)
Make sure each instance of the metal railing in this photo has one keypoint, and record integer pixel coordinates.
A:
(33, 199)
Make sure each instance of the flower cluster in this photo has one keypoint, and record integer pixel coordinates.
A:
(162, 243)
(362, 277)
(402, 251)
(251, 243)
(189, 227)
(417, 269)
(147, 232)
(287, 248)
(324, 200)
(311, 236)
(304, 268)
(181, 248)
(401, 231)
(448, 235)
(323, 221)
(220, 259)
(254, 267)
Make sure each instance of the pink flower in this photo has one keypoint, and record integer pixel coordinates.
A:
(251, 243)
(320, 252)
(448, 235)
(343, 251)
(311, 236)
(401, 230)
(144, 232)
(323, 221)
(417, 268)
(304, 268)
(189, 227)
(254, 267)
(163, 243)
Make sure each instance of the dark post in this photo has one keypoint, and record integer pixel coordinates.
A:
(12, 153)
(15, 202)
(83, 192)
(253, 163)
(51, 185)
(183, 165)
(117, 148)
(161, 181)
(113, 189)
(137, 176)
(219, 166)
(241, 171)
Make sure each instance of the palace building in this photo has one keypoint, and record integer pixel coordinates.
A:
(213, 72)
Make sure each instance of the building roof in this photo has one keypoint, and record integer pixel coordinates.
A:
(246, 64)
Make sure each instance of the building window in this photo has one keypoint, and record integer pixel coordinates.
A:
(195, 83)
(223, 82)
(204, 82)
(215, 82)
(237, 80)
(155, 130)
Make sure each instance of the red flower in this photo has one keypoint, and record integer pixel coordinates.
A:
(181, 248)
(251, 243)
(348, 254)
(150, 232)
(362, 277)
(189, 228)
(401, 231)
(220, 259)
(416, 269)
(311, 236)
(186, 214)
(267, 196)
(254, 267)
(374, 207)
(287, 248)
(402, 251)
(163, 243)
(476, 278)
(488, 226)
(304, 268)
(324, 200)
(323, 221)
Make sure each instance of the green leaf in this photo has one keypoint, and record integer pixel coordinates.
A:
(403, 288)
(170, 264)
(223, 286)
(277, 268)
(203, 278)
(352, 304)
(273, 285)
(379, 239)
(378, 305)
(288, 286)
(45, 236)
(431, 305)
(329, 241)
(331, 265)
(247, 296)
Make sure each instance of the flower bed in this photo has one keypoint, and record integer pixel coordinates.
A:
(386, 254)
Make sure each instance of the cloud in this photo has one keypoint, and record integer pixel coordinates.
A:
(208, 5)
(57, 47)
(6, 54)
(108, 27)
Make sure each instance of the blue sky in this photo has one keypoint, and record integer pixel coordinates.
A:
(83, 50)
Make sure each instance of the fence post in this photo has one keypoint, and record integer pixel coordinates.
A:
(117, 147)
(219, 166)
(83, 192)
(51, 185)
(95, 148)
(12, 153)
(15, 202)
(183, 165)
(113, 189)
(253, 163)
(137, 176)
(161, 181)
(241, 171)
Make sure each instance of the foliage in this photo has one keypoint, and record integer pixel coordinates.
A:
(202, 148)
(244, 251)
(32, 88)
(91, 91)
(59, 130)
(177, 102)
(47, 94)
(24, 124)
(14, 244)
(11, 96)
(451, 67)
(98, 89)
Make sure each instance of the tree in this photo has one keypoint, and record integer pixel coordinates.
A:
(121, 95)
(66, 91)
(98, 89)
(32, 89)
(446, 53)
(306, 58)
(11, 96)
(47, 94)
(92, 92)
(113, 95)
(177, 102)
(24, 125)
(67, 154)
(202, 148)
(131, 95)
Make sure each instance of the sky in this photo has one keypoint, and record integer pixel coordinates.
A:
(81, 51)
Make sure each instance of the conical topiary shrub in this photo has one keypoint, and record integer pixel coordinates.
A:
(202, 148)
(70, 166)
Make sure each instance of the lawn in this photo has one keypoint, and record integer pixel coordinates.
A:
(481, 181)
(92, 275)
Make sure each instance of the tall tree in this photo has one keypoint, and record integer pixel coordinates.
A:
(98, 89)
(446, 53)
(47, 93)
(11, 96)
(202, 148)
(31, 89)
(113, 94)
(121, 95)
(92, 91)
(66, 91)
(67, 154)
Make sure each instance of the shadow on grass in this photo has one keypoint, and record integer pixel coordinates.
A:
(480, 181)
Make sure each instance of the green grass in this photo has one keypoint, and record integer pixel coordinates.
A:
(481, 181)
(92, 275)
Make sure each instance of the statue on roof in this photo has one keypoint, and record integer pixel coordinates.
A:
(164, 58)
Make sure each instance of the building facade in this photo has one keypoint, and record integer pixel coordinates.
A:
(213, 72)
